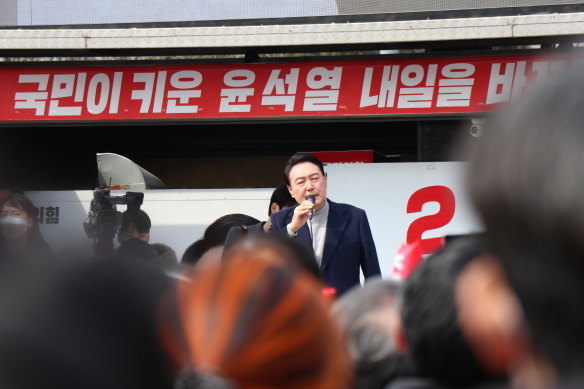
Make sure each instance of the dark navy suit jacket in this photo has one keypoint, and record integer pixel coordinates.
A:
(348, 244)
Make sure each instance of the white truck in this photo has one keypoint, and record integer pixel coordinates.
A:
(403, 201)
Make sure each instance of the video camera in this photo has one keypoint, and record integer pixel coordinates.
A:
(104, 220)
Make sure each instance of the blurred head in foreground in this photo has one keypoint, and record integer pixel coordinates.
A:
(430, 318)
(210, 246)
(255, 322)
(91, 327)
(296, 256)
(369, 315)
(523, 306)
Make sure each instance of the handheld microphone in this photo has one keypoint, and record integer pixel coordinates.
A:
(310, 211)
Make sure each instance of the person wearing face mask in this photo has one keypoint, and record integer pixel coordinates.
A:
(20, 237)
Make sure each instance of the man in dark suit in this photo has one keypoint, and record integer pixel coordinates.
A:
(339, 234)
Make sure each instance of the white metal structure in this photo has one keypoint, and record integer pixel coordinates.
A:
(504, 27)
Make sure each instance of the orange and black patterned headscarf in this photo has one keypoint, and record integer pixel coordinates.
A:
(257, 324)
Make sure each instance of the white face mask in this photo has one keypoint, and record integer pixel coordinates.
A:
(13, 227)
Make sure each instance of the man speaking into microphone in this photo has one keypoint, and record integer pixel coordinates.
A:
(339, 234)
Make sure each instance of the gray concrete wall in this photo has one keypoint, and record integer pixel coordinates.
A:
(351, 7)
(8, 12)
(42, 12)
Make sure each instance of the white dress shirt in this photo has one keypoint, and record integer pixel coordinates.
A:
(317, 227)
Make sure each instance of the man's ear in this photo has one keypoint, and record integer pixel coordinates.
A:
(490, 315)
(274, 208)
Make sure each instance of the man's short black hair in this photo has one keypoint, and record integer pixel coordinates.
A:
(526, 178)
(140, 219)
(300, 158)
(281, 196)
(430, 319)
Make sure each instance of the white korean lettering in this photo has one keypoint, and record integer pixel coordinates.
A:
(456, 88)
(96, 103)
(412, 75)
(415, 97)
(387, 89)
(319, 78)
(281, 91)
(33, 100)
(417, 93)
(63, 86)
(239, 78)
(457, 70)
(144, 94)
(80, 89)
(323, 100)
(500, 84)
(159, 91)
(178, 100)
(519, 80)
(231, 99)
(116, 89)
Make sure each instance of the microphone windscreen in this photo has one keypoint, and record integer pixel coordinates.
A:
(310, 211)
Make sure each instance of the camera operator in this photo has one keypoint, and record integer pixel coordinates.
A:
(134, 235)
(104, 220)
(135, 225)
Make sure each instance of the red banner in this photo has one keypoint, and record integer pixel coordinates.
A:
(352, 156)
(422, 86)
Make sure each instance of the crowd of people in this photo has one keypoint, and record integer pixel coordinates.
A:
(249, 306)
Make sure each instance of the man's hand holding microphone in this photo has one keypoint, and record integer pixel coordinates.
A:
(302, 213)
